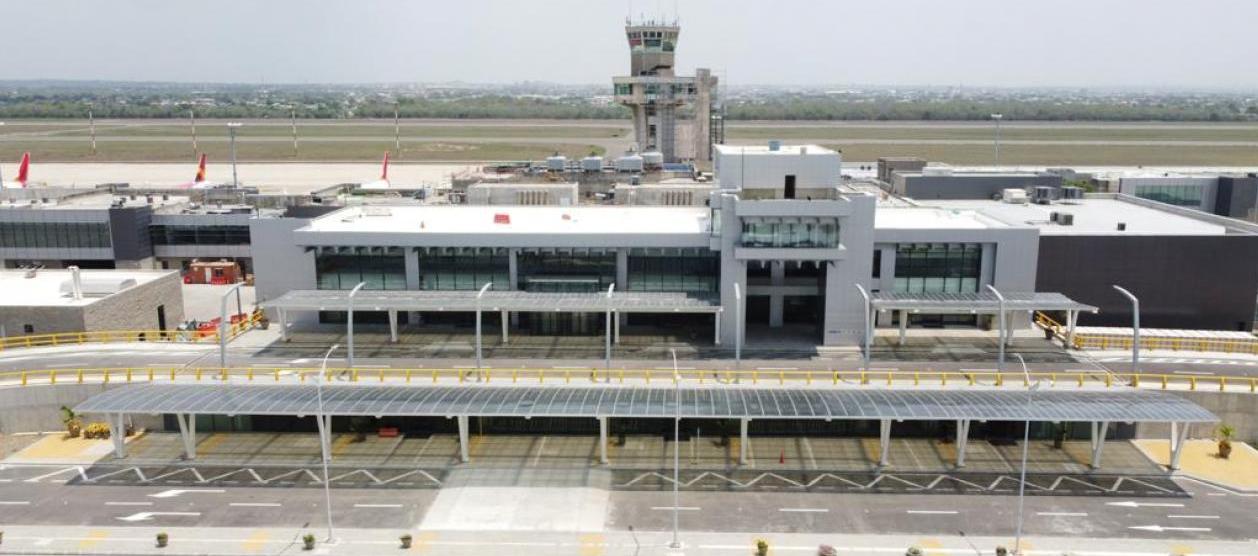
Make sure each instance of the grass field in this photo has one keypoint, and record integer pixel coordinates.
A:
(1057, 143)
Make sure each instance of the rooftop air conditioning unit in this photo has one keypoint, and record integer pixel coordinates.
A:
(1042, 194)
(1066, 219)
(1071, 193)
(1014, 196)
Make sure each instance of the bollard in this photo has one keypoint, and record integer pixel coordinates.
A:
(52, 377)
(128, 375)
(1192, 383)
(434, 376)
(408, 376)
(381, 375)
(1222, 383)
(150, 375)
(80, 376)
(277, 375)
(23, 378)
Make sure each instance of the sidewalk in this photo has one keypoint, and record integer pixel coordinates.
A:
(355, 542)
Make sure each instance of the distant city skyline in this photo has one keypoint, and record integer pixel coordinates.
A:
(1203, 45)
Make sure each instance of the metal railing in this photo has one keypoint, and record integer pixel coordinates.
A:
(113, 336)
(819, 378)
(1082, 340)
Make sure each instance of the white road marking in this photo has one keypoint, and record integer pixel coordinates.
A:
(128, 503)
(255, 504)
(1062, 514)
(679, 508)
(148, 516)
(1130, 504)
(804, 510)
(933, 512)
(1159, 528)
(176, 492)
(1193, 517)
(377, 505)
(15, 503)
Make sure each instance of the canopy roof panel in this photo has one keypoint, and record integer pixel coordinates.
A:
(640, 401)
(427, 300)
(982, 302)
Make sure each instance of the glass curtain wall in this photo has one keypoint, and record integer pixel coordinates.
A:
(566, 272)
(55, 234)
(938, 267)
(766, 233)
(343, 272)
(467, 271)
(1178, 195)
(200, 235)
(690, 273)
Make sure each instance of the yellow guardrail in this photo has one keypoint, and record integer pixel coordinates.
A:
(622, 376)
(1082, 340)
(108, 336)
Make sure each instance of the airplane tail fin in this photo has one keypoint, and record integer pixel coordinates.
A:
(24, 169)
(384, 173)
(200, 170)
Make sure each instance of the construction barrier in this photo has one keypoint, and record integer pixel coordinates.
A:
(237, 327)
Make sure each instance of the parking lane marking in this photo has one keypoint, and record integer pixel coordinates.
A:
(128, 503)
(15, 502)
(1193, 517)
(377, 505)
(255, 504)
(1062, 514)
(804, 510)
(932, 512)
(679, 508)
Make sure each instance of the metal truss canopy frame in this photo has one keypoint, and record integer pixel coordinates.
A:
(974, 303)
(513, 301)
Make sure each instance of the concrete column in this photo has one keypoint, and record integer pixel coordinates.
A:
(1179, 435)
(324, 424)
(622, 281)
(513, 276)
(904, 326)
(777, 302)
(963, 440)
(1098, 442)
(393, 326)
(283, 325)
(463, 439)
(506, 315)
(1073, 318)
(412, 269)
(602, 440)
(884, 442)
(188, 432)
(744, 441)
(716, 324)
(118, 433)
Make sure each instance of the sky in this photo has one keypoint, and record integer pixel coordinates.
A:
(1011, 43)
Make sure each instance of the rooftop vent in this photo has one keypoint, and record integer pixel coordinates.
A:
(775, 145)
(1122, 226)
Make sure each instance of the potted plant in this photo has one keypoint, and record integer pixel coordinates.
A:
(74, 425)
(307, 541)
(1002, 551)
(162, 539)
(1226, 432)
(762, 547)
(913, 551)
(406, 540)
(827, 550)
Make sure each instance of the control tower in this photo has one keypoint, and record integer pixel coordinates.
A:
(671, 114)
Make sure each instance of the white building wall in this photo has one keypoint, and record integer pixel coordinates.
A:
(757, 167)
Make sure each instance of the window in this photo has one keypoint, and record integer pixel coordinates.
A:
(1178, 195)
(343, 272)
(467, 271)
(199, 235)
(938, 267)
(563, 272)
(766, 233)
(74, 235)
(624, 88)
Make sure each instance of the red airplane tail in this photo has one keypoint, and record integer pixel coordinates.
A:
(24, 169)
(384, 174)
(200, 170)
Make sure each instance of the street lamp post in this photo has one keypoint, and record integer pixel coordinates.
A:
(868, 326)
(349, 322)
(676, 452)
(324, 435)
(997, 118)
(231, 130)
(479, 294)
(222, 325)
(1000, 363)
(1026, 440)
(1135, 328)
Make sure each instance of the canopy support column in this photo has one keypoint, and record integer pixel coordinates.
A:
(716, 319)
(506, 318)
(283, 324)
(463, 439)
(1179, 436)
(1072, 318)
(884, 441)
(188, 432)
(602, 440)
(963, 440)
(393, 326)
(744, 440)
(118, 433)
(904, 325)
(1098, 442)
(616, 326)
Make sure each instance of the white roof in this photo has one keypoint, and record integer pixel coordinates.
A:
(462, 219)
(793, 150)
(930, 218)
(1091, 217)
(45, 288)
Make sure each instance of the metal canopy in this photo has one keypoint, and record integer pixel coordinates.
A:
(516, 301)
(983, 302)
(639, 401)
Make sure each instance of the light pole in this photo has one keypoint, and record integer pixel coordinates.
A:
(608, 348)
(868, 327)
(997, 118)
(231, 130)
(676, 452)
(292, 114)
(222, 325)
(349, 322)
(738, 325)
(1026, 440)
(478, 353)
(1000, 299)
(324, 436)
(1135, 328)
